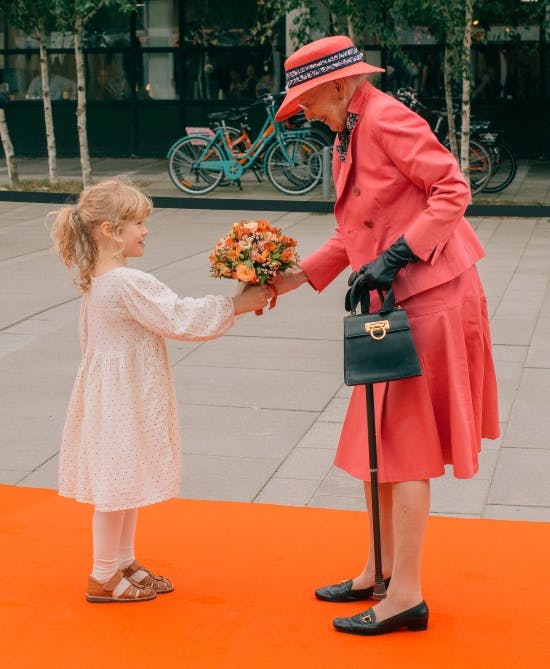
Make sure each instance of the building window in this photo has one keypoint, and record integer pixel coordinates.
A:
(222, 60)
(23, 81)
(108, 77)
(156, 41)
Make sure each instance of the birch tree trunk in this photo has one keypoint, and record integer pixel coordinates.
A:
(447, 82)
(81, 103)
(11, 163)
(465, 115)
(47, 103)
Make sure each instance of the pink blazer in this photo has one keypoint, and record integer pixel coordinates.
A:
(396, 180)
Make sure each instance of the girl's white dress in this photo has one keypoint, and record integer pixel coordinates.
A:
(121, 446)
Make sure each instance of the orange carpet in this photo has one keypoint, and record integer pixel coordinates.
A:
(244, 576)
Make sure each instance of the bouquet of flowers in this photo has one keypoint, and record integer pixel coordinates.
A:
(253, 252)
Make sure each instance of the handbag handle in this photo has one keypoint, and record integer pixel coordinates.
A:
(358, 294)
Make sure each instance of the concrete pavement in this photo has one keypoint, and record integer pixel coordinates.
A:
(262, 407)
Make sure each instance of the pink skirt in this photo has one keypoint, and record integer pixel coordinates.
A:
(439, 418)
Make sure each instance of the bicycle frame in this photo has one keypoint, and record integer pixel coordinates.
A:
(234, 163)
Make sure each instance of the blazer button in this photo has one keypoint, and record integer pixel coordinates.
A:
(368, 224)
(355, 190)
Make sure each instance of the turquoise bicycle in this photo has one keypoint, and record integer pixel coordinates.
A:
(199, 163)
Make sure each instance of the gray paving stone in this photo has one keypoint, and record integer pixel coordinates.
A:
(287, 491)
(225, 478)
(306, 463)
(452, 496)
(335, 410)
(507, 512)
(322, 434)
(286, 354)
(10, 476)
(44, 476)
(216, 387)
(503, 352)
(529, 424)
(339, 483)
(337, 502)
(241, 431)
(522, 478)
(539, 351)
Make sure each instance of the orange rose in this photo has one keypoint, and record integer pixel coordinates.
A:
(245, 273)
(288, 255)
(232, 254)
(262, 226)
(249, 226)
(223, 270)
(260, 257)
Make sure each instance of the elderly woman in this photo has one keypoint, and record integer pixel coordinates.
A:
(400, 203)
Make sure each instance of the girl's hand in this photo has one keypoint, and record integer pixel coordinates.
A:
(252, 298)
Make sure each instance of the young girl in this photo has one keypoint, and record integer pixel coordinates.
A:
(120, 447)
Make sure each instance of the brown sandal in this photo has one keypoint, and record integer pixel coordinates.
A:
(158, 584)
(102, 593)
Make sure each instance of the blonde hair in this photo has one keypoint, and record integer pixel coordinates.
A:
(115, 200)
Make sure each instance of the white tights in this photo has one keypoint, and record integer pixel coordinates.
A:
(113, 538)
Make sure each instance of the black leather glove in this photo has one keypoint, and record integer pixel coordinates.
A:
(380, 272)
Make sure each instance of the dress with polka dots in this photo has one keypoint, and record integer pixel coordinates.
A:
(121, 444)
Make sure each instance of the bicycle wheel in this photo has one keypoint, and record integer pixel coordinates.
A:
(294, 167)
(505, 167)
(481, 166)
(188, 165)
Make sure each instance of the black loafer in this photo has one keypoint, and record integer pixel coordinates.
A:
(415, 619)
(342, 592)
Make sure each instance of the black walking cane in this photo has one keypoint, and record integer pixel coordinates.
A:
(379, 591)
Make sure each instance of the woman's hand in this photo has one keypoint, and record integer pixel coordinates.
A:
(252, 298)
(293, 278)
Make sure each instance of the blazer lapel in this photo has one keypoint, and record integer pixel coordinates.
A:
(356, 106)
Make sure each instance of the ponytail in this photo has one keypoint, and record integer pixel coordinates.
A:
(74, 243)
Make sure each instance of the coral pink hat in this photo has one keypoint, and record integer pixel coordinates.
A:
(317, 62)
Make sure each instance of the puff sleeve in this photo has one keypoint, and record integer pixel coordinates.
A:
(159, 309)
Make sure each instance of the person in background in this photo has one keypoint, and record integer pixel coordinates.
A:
(250, 82)
(61, 87)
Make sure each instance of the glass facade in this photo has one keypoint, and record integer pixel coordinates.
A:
(503, 67)
(167, 50)
(171, 62)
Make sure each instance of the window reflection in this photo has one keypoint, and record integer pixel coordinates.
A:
(214, 23)
(157, 73)
(108, 79)
(23, 81)
(157, 23)
(499, 72)
(229, 75)
(506, 73)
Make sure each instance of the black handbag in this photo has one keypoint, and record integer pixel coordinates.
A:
(377, 346)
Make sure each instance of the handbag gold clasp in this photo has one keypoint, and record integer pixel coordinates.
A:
(377, 329)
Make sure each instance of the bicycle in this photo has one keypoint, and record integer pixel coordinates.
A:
(480, 158)
(238, 139)
(198, 163)
(505, 164)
